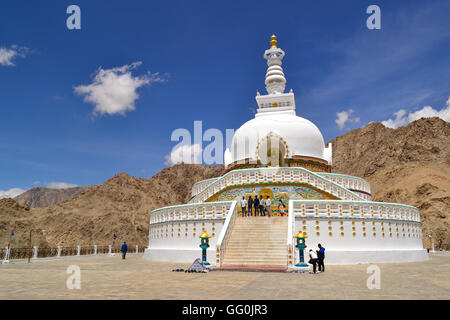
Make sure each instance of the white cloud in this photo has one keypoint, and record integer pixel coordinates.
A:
(185, 154)
(113, 91)
(403, 119)
(60, 185)
(343, 117)
(11, 193)
(8, 54)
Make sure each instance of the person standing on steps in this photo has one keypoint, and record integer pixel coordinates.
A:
(124, 250)
(320, 258)
(244, 206)
(256, 205)
(268, 204)
(262, 205)
(281, 208)
(250, 205)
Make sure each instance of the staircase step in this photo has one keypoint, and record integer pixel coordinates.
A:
(254, 261)
(257, 242)
(256, 251)
(250, 262)
(279, 257)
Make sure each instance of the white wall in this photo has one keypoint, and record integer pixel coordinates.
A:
(160, 239)
(350, 242)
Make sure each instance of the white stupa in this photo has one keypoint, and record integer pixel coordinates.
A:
(282, 157)
(276, 118)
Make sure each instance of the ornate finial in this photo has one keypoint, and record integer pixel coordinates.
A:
(273, 41)
(275, 80)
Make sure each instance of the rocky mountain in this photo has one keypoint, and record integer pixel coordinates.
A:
(17, 217)
(120, 205)
(45, 197)
(408, 165)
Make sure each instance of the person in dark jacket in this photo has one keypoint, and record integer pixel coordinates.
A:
(262, 207)
(250, 205)
(256, 206)
(124, 249)
(320, 258)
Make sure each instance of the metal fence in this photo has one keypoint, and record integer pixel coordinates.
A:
(20, 253)
(25, 253)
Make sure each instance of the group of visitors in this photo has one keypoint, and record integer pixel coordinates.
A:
(316, 258)
(259, 206)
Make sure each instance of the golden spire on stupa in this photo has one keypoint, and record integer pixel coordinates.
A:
(273, 41)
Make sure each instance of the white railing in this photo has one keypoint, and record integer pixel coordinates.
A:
(196, 211)
(201, 185)
(353, 209)
(349, 182)
(290, 236)
(275, 175)
(225, 233)
(346, 181)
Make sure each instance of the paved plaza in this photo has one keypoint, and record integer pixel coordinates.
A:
(104, 277)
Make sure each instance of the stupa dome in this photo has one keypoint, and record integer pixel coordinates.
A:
(297, 137)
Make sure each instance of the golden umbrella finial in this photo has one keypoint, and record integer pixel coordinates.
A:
(273, 41)
(205, 234)
(301, 235)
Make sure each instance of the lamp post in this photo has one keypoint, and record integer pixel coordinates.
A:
(432, 242)
(111, 253)
(30, 251)
(204, 245)
(7, 249)
(301, 245)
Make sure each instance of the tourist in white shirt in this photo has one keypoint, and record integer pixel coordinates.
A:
(313, 259)
(268, 203)
(244, 206)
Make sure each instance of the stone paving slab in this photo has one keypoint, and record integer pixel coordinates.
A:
(136, 278)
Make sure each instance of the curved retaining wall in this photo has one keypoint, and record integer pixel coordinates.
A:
(175, 231)
(357, 232)
(351, 231)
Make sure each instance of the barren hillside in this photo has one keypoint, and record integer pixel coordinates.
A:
(120, 205)
(408, 165)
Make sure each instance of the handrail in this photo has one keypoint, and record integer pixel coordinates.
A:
(199, 185)
(203, 181)
(190, 205)
(290, 222)
(190, 211)
(343, 176)
(289, 244)
(384, 204)
(365, 185)
(364, 209)
(226, 231)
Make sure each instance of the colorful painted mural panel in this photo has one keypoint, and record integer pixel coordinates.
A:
(276, 194)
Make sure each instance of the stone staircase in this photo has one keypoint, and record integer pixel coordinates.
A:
(257, 243)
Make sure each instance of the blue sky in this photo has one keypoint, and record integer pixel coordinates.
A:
(199, 60)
